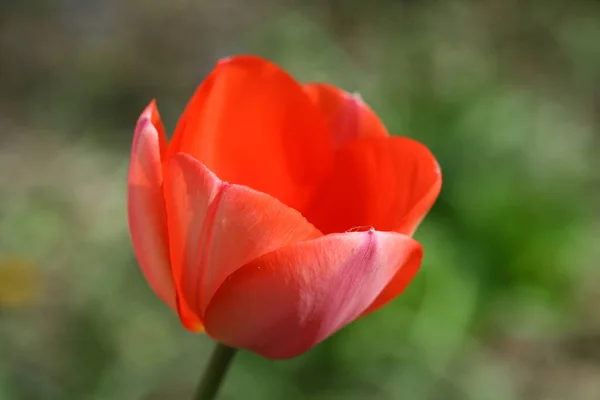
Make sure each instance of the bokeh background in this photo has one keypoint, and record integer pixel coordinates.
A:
(505, 93)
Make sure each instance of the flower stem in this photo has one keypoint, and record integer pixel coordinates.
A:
(215, 372)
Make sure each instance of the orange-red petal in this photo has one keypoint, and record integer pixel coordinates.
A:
(289, 300)
(216, 227)
(146, 207)
(251, 123)
(385, 183)
(348, 116)
(151, 112)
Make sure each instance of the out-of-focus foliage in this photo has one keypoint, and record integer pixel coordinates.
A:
(505, 93)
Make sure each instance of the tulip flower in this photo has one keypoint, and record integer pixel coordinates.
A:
(278, 213)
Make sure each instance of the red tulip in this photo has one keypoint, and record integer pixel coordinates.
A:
(278, 213)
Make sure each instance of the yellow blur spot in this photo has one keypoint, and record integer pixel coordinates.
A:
(19, 282)
(199, 328)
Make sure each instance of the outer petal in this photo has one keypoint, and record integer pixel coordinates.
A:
(151, 112)
(287, 301)
(385, 183)
(252, 124)
(146, 207)
(348, 116)
(216, 227)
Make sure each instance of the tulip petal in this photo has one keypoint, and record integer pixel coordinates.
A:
(252, 124)
(285, 302)
(146, 207)
(217, 227)
(384, 183)
(151, 112)
(348, 116)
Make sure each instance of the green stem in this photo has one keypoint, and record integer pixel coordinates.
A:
(215, 372)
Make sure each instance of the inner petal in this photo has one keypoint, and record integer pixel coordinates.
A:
(348, 116)
(252, 124)
(385, 183)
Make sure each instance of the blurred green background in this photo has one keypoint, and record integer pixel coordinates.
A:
(505, 93)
